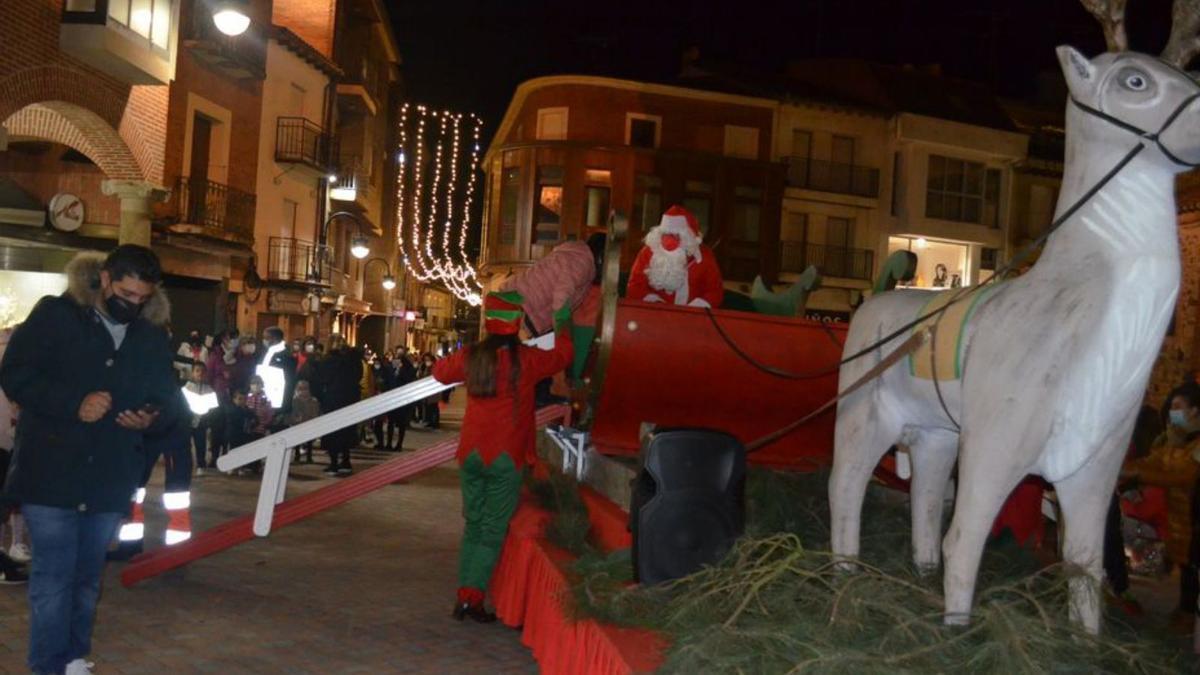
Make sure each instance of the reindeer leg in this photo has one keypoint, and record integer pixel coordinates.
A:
(864, 433)
(933, 452)
(1084, 497)
(985, 480)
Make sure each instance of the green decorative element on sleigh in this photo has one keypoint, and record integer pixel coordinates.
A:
(899, 266)
(778, 603)
(788, 302)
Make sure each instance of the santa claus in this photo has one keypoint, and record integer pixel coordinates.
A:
(674, 266)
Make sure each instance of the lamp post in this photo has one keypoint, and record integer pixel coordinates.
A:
(389, 281)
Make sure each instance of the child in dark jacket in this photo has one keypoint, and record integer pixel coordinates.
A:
(258, 402)
(304, 408)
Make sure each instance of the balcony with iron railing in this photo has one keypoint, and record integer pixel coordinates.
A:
(831, 261)
(297, 260)
(824, 176)
(302, 141)
(213, 210)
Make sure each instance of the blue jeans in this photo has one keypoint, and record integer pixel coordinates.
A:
(64, 582)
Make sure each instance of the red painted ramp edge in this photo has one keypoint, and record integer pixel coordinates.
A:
(239, 530)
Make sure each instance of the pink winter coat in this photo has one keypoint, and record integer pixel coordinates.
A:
(563, 276)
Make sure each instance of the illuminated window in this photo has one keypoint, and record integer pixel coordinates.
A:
(150, 19)
(548, 223)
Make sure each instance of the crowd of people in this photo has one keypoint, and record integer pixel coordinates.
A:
(315, 379)
(92, 397)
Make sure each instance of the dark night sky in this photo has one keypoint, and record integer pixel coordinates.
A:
(471, 54)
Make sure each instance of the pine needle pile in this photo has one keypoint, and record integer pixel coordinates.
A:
(568, 528)
(778, 604)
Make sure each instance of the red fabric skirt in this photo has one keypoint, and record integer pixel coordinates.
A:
(529, 588)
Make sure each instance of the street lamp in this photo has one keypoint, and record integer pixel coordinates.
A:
(230, 17)
(389, 281)
(360, 247)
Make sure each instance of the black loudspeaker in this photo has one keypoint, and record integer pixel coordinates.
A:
(688, 503)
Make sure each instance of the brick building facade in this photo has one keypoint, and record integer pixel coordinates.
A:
(570, 148)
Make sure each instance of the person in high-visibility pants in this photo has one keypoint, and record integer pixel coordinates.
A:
(173, 444)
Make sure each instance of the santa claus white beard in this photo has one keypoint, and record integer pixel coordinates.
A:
(667, 270)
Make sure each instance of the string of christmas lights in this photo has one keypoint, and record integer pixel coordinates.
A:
(434, 196)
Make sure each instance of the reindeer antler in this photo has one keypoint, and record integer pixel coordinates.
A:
(1184, 43)
(1111, 15)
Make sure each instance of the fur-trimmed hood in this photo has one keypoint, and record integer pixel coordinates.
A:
(83, 286)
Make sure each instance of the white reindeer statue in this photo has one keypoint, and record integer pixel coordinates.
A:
(1050, 367)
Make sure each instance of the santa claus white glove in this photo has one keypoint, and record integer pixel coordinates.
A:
(699, 302)
(652, 298)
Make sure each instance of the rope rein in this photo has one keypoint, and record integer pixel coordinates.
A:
(928, 333)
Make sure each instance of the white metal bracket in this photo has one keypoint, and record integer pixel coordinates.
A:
(574, 444)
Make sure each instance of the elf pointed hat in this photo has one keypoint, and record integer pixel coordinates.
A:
(502, 312)
(679, 220)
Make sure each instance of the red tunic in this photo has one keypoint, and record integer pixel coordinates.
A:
(703, 280)
(494, 425)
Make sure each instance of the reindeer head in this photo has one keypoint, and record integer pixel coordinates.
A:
(1139, 95)
(1135, 97)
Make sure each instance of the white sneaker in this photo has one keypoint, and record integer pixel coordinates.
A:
(200, 471)
(80, 667)
(20, 552)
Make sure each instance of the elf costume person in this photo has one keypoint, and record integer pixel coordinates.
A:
(497, 438)
(674, 266)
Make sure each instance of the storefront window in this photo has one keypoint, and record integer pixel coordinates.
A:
(598, 190)
(597, 206)
(20, 291)
(940, 264)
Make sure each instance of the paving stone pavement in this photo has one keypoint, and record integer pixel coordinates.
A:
(364, 588)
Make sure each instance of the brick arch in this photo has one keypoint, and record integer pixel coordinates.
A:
(80, 129)
(75, 93)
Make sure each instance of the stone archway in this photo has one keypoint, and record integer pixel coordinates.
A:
(136, 114)
(80, 129)
(87, 132)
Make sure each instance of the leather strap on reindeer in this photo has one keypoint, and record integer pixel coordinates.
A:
(907, 347)
(1153, 137)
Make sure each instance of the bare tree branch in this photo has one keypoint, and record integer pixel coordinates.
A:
(1111, 15)
(1184, 44)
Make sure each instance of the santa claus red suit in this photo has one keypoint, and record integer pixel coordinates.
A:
(674, 266)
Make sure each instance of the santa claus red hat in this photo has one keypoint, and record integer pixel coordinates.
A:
(676, 218)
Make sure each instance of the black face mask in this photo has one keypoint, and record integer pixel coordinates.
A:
(194, 340)
(121, 310)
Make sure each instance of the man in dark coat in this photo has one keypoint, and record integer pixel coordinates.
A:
(90, 371)
(337, 384)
